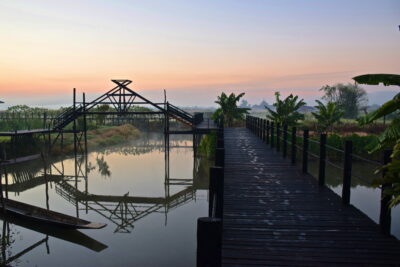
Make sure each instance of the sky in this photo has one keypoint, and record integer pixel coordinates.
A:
(193, 49)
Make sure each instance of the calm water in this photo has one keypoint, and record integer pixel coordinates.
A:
(157, 229)
(150, 212)
(362, 195)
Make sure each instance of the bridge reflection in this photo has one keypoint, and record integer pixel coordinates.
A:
(121, 210)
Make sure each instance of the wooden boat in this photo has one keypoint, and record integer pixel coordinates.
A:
(69, 235)
(19, 160)
(37, 214)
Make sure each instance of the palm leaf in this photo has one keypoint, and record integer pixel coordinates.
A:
(375, 79)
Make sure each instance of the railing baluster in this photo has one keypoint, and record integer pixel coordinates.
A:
(347, 172)
(305, 151)
(322, 159)
(284, 141)
(294, 150)
(278, 136)
(272, 134)
(385, 216)
(263, 129)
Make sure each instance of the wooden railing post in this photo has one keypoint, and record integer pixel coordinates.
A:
(305, 151)
(268, 130)
(278, 136)
(284, 140)
(385, 216)
(263, 129)
(272, 134)
(220, 157)
(322, 159)
(209, 240)
(216, 192)
(294, 150)
(348, 150)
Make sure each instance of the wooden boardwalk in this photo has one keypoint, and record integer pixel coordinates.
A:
(276, 216)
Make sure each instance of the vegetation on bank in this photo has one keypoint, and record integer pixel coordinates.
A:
(229, 110)
(390, 137)
(207, 145)
(101, 137)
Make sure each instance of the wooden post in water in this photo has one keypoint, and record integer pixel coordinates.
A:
(44, 120)
(284, 141)
(84, 122)
(385, 216)
(278, 136)
(267, 132)
(348, 150)
(294, 150)
(322, 159)
(1, 195)
(305, 151)
(209, 233)
(6, 177)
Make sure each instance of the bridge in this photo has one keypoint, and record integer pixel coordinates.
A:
(265, 210)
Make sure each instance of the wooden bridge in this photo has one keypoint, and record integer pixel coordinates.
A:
(274, 214)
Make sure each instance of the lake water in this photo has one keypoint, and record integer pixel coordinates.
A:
(150, 210)
(153, 225)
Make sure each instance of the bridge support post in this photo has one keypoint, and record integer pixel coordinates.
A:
(84, 122)
(322, 159)
(209, 235)
(305, 151)
(385, 216)
(348, 150)
(294, 148)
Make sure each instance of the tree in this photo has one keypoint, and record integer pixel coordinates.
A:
(228, 108)
(350, 98)
(100, 118)
(18, 108)
(327, 116)
(244, 104)
(391, 136)
(286, 110)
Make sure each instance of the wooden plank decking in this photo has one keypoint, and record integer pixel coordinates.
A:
(276, 216)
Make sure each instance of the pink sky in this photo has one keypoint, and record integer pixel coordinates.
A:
(195, 51)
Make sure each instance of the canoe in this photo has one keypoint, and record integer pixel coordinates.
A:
(37, 214)
(69, 235)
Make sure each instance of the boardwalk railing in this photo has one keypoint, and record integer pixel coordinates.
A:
(290, 141)
(209, 229)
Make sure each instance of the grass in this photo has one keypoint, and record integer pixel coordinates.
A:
(101, 137)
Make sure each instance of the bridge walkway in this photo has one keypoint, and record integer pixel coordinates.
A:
(274, 215)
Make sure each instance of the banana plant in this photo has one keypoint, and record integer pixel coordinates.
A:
(228, 108)
(327, 116)
(286, 111)
(391, 136)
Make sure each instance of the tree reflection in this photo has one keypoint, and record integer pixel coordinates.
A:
(103, 167)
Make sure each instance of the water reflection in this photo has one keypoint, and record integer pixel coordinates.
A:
(103, 167)
(130, 194)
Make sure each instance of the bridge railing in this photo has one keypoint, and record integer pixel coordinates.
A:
(295, 144)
